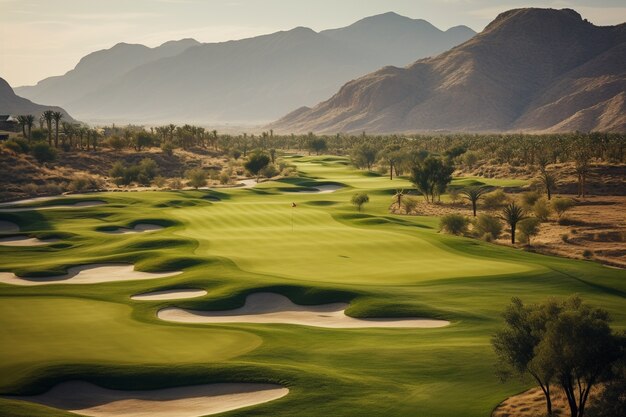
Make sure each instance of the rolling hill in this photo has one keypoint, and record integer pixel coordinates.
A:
(529, 70)
(245, 81)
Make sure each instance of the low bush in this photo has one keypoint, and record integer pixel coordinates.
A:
(542, 209)
(43, 152)
(488, 225)
(17, 145)
(495, 200)
(454, 224)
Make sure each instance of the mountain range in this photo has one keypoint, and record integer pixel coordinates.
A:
(11, 104)
(244, 81)
(528, 70)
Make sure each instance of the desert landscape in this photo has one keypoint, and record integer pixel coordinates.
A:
(376, 218)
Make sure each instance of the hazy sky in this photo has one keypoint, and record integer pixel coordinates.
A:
(40, 38)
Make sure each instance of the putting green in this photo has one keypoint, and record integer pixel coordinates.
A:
(241, 241)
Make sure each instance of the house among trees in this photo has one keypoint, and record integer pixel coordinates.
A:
(7, 124)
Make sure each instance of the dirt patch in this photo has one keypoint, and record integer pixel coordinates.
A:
(532, 403)
(193, 401)
(278, 309)
(88, 274)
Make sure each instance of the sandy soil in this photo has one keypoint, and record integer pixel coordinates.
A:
(139, 228)
(169, 295)
(248, 183)
(25, 241)
(193, 401)
(275, 308)
(532, 403)
(88, 274)
(66, 206)
(8, 227)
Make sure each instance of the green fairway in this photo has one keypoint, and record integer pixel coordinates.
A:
(234, 242)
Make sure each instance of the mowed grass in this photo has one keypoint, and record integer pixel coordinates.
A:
(238, 241)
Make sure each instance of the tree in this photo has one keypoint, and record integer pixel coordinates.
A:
(358, 199)
(473, 194)
(196, 177)
(57, 116)
(564, 342)
(22, 122)
(390, 155)
(30, 121)
(431, 177)
(48, 116)
(513, 214)
(582, 169)
(256, 162)
(529, 227)
(317, 145)
(364, 156)
(548, 181)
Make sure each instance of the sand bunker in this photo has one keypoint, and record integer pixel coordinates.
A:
(249, 183)
(87, 274)
(80, 204)
(8, 227)
(169, 295)
(193, 401)
(139, 228)
(25, 241)
(323, 189)
(275, 308)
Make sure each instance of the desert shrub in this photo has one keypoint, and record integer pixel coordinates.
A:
(409, 203)
(159, 181)
(587, 254)
(495, 200)
(117, 143)
(529, 198)
(143, 173)
(562, 205)
(17, 145)
(488, 225)
(54, 188)
(176, 184)
(224, 178)
(43, 152)
(382, 169)
(148, 169)
(269, 171)
(528, 228)
(79, 184)
(454, 224)
(196, 178)
(30, 188)
(289, 172)
(565, 238)
(470, 159)
(167, 148)
(542, 209)
(455, 195)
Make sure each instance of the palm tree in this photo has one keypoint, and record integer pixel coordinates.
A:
(57, 116)
(398, 197)
(22, 121)
(548, 181)
(513, 214)
(30, 121)
(48, 116)
(473, 194)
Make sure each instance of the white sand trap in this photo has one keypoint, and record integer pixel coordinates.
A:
(25, 241)
(88, 274)
(169, 295)
(323, 189)
(139, 228)
(193, 401)
(8, 227)
(275, 308)
(80, 204)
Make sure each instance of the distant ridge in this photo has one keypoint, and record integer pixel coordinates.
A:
(14, 105)
(530, 69)
(251, 80)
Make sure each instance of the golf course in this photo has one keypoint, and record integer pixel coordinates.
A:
(282, 290)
